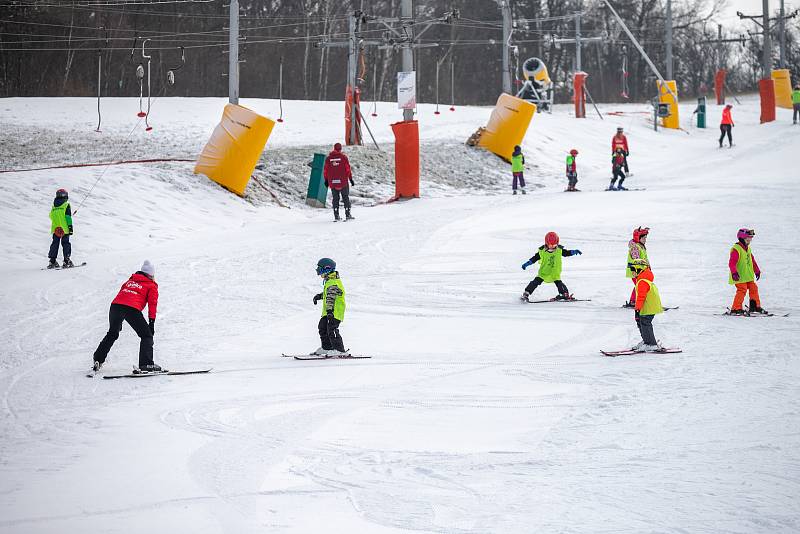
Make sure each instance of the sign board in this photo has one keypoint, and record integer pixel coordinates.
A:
(407, 90)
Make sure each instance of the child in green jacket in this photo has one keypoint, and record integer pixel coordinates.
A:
(517, 168)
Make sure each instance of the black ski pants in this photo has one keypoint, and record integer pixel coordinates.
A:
(617, 174)
(645, 325)
(725, 129)
(536, 282)
(345, 194)
(116, 315)
(65, 244)
(795, 112)
(329, 334)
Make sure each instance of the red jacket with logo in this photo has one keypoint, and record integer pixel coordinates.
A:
(139, 290)
(337, 170)
(726, 117)
(618, 141)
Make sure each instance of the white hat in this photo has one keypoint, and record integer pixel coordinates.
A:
(148, 268)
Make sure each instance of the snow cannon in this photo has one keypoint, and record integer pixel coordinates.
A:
(231, 154)
(507, 125)
(538, 87)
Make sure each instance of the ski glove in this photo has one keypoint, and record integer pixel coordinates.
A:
(575, 251)
(735, 276)
(526, 264)
(758, 275)
(351, 181)
(153, 326)
(317, 298)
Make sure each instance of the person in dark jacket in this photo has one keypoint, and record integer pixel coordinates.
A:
(61, 228)
(141, 289)
(337, 173)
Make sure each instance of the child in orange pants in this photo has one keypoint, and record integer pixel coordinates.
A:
(744, 272)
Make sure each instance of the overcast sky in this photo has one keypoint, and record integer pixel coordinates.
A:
(750, 7)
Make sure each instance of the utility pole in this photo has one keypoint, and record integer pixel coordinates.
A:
(783, 37)
(578, 41)
(352, 62)
(233, 54)
(505, 7)
(766, 60)
(669, 41)
(407, 21)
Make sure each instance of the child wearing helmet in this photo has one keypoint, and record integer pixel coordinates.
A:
(572, 171)
(620, 141)
(637, 250)
(549, 257)
(617, 165)
(744, 272)
(517, 169)
(61, 228)
(333, 306)
(648, 305)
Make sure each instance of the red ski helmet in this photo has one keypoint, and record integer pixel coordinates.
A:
(551, 239)
(639, 233)
(744, 233)
(573, 152)
(62, 193)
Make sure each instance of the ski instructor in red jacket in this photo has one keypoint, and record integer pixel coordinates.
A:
(141, 289)
(337, 173)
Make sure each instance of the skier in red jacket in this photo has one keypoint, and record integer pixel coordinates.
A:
(337, 173)
(141, 289)
(725, 126)
(620, 141)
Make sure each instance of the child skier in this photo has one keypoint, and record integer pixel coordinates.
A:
(648, 305)
(141, 289)
(617, 165)
(549, 258)
(637, 250)
(620, 141)
(61, 228)
(572, 171)
(744, 272)
(517, 168)
(333, 306)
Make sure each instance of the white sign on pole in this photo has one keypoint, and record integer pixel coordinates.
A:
(407, 90)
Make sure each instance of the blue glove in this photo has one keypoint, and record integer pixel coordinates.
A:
(526, 264)
(576, 251)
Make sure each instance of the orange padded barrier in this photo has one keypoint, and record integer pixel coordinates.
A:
(406, 159)
(766, 89)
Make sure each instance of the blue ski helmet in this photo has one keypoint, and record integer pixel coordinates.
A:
(325, 266)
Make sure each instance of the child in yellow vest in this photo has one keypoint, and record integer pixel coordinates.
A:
(549, 257)
(333, 307)
(648, 305)
(744, 272)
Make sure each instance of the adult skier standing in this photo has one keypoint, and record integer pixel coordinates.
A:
(620, 141)
(141, 289)
(517, 170)
(333, 307)
(61, 228)
(726, 125)
(572, 171)
(648, 305)
(637, 250)
(337, 173)
(549, 257)
(744, 272)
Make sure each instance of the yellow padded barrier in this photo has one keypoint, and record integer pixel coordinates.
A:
(783, 88)
(233, 150)
(507, 125)
(665, 97)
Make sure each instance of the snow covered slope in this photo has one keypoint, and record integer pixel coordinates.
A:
(476, 413)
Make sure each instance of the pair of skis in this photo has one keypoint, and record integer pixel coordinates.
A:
(752, 314)
(342, 356)
(556, 299)
(137, 373)
(631, 352)
(60, 268)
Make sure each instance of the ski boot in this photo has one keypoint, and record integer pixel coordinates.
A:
(564, 296)
(319, 352)
(336, 215)
(755, 308)
(96, 366)
(150, 368)
(524, 297)
(737, 312)
(639, 346)
(652, 348)
(348, 216)
(67, 263)
(620, 188)
(523, 191)
(514, 192)
(611, 187)
(53, 264)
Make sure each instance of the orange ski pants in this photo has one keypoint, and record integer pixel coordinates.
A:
(741, 290)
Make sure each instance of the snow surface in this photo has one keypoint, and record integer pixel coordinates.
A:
(476, 413)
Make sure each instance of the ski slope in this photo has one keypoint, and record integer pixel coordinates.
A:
(476, 413)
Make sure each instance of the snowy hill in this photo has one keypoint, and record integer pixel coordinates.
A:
(476, 413)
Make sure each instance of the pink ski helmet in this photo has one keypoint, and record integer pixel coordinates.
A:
(744, 233)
